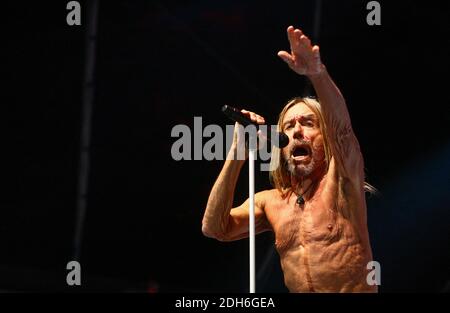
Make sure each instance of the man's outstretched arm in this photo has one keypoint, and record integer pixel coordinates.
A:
(304, 59)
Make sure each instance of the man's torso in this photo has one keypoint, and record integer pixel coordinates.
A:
(323, 244)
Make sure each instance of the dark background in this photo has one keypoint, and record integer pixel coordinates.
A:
(159, 64)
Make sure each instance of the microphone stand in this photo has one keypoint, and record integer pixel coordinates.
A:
(235, 115)
(251, 215)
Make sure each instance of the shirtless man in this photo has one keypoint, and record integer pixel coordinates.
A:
(317, 209)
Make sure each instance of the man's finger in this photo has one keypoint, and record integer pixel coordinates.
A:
(296, 34)
(316, 53)
(260, 119)
(255, 117)
(304, 49)
(291, 36)
(286, 57)
(304, 40)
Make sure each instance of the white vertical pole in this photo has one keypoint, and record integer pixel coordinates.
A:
(251, 190)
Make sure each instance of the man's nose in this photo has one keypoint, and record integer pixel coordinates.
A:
(298, 130)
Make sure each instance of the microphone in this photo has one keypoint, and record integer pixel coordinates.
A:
(237, 116)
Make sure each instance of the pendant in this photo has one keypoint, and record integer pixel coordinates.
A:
(300, 200)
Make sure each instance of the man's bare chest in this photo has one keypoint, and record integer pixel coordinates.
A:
(295, 226)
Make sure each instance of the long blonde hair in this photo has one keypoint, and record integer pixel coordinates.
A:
(279, 175)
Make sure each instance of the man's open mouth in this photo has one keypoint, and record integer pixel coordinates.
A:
(300, 151)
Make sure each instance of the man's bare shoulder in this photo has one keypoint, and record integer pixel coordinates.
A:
(268, 197)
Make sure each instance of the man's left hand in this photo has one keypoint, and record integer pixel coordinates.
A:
(304, 58)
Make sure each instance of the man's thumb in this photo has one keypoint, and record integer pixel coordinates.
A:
(286, 57)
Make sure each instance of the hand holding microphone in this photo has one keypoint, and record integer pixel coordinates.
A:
(246, 118)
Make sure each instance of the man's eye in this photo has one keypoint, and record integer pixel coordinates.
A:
(308, 123)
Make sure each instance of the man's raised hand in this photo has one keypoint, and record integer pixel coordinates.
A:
(304, 58)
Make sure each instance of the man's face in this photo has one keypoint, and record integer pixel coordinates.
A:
(305, 152)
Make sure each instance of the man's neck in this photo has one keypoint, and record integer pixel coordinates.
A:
(306, 186)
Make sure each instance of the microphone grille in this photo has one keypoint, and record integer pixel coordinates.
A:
(283, 140)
